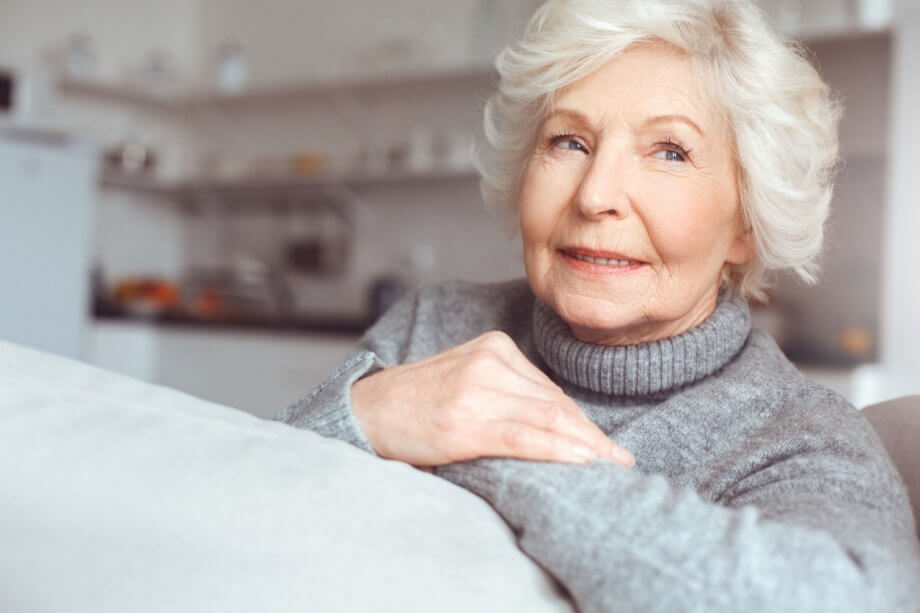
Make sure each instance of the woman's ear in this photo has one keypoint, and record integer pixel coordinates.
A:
(742, 249)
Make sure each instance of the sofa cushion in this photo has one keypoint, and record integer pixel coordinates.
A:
(123, 496)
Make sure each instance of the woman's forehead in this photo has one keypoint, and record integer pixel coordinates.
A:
(639, 87)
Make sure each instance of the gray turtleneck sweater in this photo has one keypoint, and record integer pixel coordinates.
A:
(754, 490)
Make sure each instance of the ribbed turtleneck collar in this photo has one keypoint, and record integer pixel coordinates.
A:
(646, 368)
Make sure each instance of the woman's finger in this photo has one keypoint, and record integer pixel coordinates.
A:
(592, 433)
(523, 441)
(549, 414)
(515, 397)
(553, 416)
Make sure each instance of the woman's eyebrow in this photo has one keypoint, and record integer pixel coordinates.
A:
(672, 118)
(577, 116)
(572, 115)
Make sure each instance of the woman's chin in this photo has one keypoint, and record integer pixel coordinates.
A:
(594, 319)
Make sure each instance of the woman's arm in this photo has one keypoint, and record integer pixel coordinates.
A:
(327, 409)
(620, 540)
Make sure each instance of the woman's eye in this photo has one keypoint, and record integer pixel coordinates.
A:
(670, 155)
(568, 143)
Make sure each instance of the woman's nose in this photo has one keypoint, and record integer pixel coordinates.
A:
(603, 192)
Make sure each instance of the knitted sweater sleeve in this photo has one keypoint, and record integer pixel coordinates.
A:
(820, 531)
(327, 409)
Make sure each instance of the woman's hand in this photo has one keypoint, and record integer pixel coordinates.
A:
(482, 398)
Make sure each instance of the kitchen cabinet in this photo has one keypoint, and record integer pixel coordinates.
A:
(258, 372)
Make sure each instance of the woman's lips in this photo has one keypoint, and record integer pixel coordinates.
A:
(596, 263)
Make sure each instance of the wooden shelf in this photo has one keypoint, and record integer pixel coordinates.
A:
(139, 184)
(192, 189)
(179, 99)
(120, 92)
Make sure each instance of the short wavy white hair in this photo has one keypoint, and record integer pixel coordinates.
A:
(782, 116)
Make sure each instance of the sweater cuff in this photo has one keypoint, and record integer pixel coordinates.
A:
(327, 409)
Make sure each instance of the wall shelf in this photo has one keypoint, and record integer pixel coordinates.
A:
(179, 99)
(119, 92)
(191, 189)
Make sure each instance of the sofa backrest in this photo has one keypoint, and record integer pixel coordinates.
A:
(897, 423)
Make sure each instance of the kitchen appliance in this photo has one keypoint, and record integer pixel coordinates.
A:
(318, 237)
(6, 91)
(49, 184)
(25, 96)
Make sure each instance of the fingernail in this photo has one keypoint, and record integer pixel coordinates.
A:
(623, 457)
(585, 454)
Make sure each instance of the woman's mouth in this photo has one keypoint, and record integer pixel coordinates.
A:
(604, 261)
(599, 264)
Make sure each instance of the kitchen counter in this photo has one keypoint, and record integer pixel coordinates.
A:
(342, 326)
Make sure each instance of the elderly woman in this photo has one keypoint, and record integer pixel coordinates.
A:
(661, 158)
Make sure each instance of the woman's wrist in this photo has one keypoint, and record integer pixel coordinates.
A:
(360, 408)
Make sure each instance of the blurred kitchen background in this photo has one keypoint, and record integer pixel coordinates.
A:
(221, 195)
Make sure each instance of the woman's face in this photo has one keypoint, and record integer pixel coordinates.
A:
(633, 166)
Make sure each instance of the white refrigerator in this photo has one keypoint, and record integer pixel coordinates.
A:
(48, 189)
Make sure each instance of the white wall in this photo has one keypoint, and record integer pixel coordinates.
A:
(901, 286)
(295, 40)
(123, 33)
(138, 235)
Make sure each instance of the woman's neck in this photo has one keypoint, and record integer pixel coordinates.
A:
(648, 367)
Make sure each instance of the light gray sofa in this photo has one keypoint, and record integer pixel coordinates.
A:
(117, 496)
(897, 423)
(123, 496)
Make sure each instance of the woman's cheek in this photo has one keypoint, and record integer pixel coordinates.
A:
(536, 255)
(538, 211)
(529, 225)
(531, 234)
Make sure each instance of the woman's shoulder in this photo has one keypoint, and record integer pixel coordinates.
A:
(438, 316)
(782, 414)
(478, 299)
(765, 365)
(461, 310)
(787, 396)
